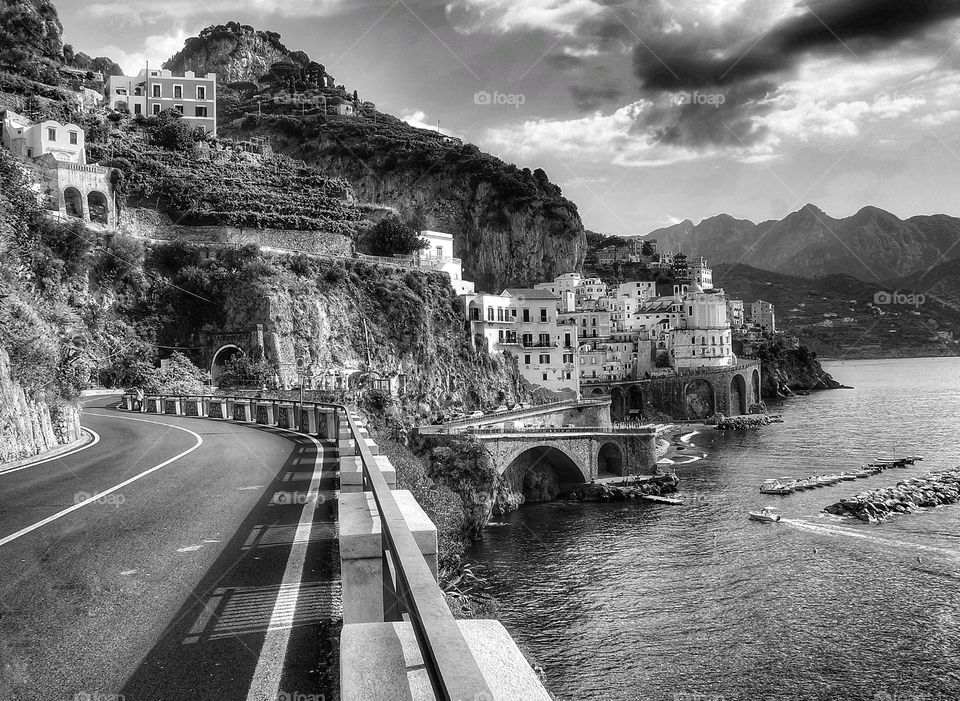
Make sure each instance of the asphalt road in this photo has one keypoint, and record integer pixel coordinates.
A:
(176, 558)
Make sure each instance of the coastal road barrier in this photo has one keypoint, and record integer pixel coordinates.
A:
(407, 644)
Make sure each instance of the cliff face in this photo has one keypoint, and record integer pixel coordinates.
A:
(783, 372)
(234, 52)
(40, 19)
(25, 426)
(502, 243)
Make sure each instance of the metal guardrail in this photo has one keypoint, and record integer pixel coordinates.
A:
(448, 660)
(513, 413)
(592, 430)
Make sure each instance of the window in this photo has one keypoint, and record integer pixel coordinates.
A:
(177, 92)
(439, 252)
(526, 359)
(526, 315)
(178, 108)
(499, 313)
(568, 357)
(566, 340)
(156, 90)
(568, 374)
(500, 336)
(489, 313)
(544, 358)
(51, 134)
(201, 111)
(74, 138)
(156, 109)
(528, 339)
(138, 109)
(513, 313)
(544, 377)
(544, 339)
(543, 315)
(29, 153)
(201, 93)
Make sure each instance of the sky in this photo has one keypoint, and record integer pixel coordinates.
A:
(645, 112)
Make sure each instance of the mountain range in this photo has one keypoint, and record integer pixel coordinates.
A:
(872, 245)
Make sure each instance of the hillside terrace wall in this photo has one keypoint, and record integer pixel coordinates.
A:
(150, 224)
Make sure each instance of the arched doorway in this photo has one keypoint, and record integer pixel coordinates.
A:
(542, 473)
(220, 359)
(618, 404)
(610, 460)
(756, 386)
(73, 202)
(698, 399)
(97, 205)
(738, 395)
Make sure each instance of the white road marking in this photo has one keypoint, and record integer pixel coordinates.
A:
(265, 685)
(93, 434)
(189, 549)
(94, 499)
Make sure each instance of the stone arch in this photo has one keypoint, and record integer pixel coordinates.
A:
(610, 459)
(597, 392)
(699, 399)
(474, 310)
(220, 358)
(542, 472)
(73, 202)
(99, 207)
(635, 403)
(738, 395)
(756, 386)
(618, 404)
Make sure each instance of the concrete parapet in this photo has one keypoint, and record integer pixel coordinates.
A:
(265, 413)
(382, 662)
(217, 408)
(351, 473)
(172, 405)
(361, 559)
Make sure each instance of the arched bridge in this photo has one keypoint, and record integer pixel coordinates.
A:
(690, 395)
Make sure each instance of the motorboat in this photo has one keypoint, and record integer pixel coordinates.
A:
(774, 487)
(847, 476)
(767, 514)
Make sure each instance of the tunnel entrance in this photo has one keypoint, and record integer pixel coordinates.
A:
(541, 474)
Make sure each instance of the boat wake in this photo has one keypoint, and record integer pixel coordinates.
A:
(836, 530)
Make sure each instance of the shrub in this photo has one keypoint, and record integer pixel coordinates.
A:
(391, 236)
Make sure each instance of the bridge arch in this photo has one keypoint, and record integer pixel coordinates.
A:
(220, 359)
(597, 392)
(738, 395)
(73, 202)
(618, 404)
(610, 459)
(756, 386)
(699, 399)
(541, 472)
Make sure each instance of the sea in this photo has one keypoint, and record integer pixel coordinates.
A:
(634, 600)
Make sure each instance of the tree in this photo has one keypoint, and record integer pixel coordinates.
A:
(174, 135)
(178, 376)
(241, 371)
(391, 236)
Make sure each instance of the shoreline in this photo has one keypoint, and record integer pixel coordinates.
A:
(680, 449)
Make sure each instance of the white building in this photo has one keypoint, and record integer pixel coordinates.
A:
(27, 140)
(152, 91)
(762, 315)
(438, 255)
(735, 313)
(526, 324)
(703, 337)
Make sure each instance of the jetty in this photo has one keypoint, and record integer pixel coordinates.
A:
(875, 506)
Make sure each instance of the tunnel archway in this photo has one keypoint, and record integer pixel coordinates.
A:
(756, 386)
(699, 400)
(610, 460)
(73, 202)
(220, 359)
(542, 473)
(597, 392)
(738, 395)
(98, 206)
(635, 401)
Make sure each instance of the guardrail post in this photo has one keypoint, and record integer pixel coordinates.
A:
(351, 473)
(307, 422)
(265, 413)
(241, 409)
(217, 408)
(152, 405)
(194, 406)
(172, 405)
(362, 572)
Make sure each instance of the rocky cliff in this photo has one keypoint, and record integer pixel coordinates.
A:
(26, 427)
(785, 371)
(233, 51)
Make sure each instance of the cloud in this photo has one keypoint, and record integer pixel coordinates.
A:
(854, 27)
(590, 97)
(216, 11)
(501, 16)
(156, 49)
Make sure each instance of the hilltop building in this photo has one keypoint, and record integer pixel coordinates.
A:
(152, 91)
(438, 255)
(762, 315)
(54, 157)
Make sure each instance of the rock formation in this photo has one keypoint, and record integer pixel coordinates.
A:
(876, 505)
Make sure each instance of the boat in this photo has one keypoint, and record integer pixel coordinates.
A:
(774, 487)
(767, 514)
(861, 473)
(674, 501)
(847, 476)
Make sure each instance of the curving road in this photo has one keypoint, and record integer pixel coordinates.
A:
(175, 558)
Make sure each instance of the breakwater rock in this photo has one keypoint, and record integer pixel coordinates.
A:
(739, 423)
(659, 485)
(876, 505)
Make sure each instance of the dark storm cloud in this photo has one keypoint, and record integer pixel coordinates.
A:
(590, 97)
(858, 26)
